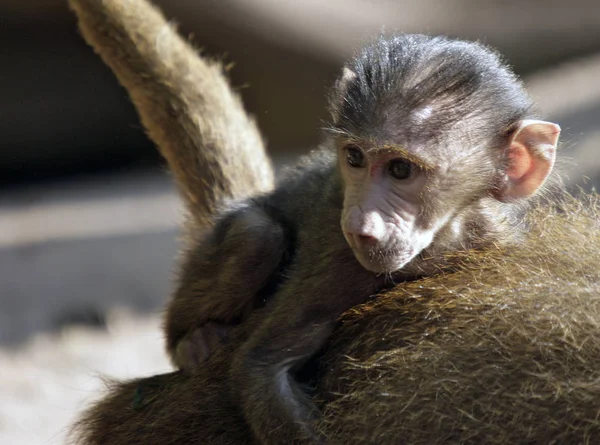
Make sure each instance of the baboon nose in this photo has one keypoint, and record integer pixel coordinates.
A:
(365, 229)
(365, 241)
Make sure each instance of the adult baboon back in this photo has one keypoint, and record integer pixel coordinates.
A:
(506, 349)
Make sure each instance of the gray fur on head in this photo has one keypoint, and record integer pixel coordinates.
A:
(391, 78)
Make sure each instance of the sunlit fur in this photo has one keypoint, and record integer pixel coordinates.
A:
(278, 265)
(395, 79)
(505, 349)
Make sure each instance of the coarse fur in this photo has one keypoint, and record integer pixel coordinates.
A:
(185, 104)
(286, 245)
(393, 79)
(445, 112)
(505, 349)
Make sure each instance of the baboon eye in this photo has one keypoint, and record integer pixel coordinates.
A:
(354, 156)
(400, 169)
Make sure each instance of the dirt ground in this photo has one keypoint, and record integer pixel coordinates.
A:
(49, 380)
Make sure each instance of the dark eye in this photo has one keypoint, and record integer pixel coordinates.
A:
(354, 156)
(400, 169)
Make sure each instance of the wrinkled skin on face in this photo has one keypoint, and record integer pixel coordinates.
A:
(381, 219)
(396, 200)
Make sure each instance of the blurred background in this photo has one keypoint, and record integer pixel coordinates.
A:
(89, 216)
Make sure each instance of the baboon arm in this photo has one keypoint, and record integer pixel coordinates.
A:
(185, 103)
(219, 288)
(305, 311)
(273, 403)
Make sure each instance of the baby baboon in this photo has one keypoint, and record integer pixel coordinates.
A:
(432, 151)
(503, 349)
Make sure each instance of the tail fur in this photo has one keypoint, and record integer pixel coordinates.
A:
(199, 124)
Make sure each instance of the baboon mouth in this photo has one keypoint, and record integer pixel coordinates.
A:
(381, 261)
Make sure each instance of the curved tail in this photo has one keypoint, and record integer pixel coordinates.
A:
(199, 124)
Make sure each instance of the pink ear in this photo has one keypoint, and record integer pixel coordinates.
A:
(531, 155)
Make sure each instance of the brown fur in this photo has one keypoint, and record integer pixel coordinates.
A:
(504, 350)
(173, 89)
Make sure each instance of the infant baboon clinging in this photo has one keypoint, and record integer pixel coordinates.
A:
(503, 350)
(437, 154)
(432, 151)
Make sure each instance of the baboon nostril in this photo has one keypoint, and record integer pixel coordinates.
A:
(366, 241)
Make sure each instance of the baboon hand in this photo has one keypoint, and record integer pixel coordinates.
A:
(196, 347)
